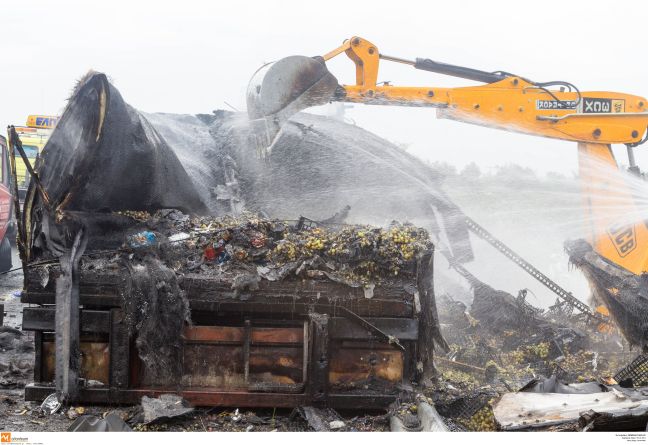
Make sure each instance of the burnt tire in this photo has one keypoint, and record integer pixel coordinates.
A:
(5, 255)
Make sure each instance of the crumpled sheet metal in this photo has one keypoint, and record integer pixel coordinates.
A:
(553, 385)
(164, 407)
(526, 410)
(112, 423)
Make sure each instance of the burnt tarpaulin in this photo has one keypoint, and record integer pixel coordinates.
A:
(156, 312)
(104, 155)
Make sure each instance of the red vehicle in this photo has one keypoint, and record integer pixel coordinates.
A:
(7, 226)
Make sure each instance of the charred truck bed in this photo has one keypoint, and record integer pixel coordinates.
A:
(282, 346)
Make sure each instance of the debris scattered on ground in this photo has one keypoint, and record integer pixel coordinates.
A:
(73, 413)
(165, 407)
(318, 419)
(50, 405)
(501, 344)
(430, 418)
(16, 357)
(109, 424)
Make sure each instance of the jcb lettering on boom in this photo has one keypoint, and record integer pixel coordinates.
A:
(623, 237)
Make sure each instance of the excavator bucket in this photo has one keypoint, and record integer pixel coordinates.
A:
(279, 90)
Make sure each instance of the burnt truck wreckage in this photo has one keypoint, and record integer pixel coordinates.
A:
(165, 254)
(135, 297)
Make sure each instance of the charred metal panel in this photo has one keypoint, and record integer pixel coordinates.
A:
(400, 328)
(120, 344)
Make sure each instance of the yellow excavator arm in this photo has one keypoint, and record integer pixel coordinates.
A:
(594, 119)
(507, 101)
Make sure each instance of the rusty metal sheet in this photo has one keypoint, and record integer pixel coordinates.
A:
(223, 366)
(211, 366)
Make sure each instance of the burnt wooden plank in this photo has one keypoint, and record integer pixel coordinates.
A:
(319, 362)
(277, 335)
(105, 283)
(525, 410)
(246, 349)
(374, 307)
(38, 355)
(429, 330)
(401, 328)
(99, 282)
(368, 308)
(220, 334)
(306, 352)
(197, 397)
(200, 286)
(43, 319)
(119, 350)
(202, 397)
(85, 299)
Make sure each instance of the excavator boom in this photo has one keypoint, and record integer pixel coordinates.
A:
(504, 101)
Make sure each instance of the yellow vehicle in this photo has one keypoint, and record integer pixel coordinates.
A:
(593, 119)
(34, 136)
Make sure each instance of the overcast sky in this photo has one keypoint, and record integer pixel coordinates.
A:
(192, 57)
